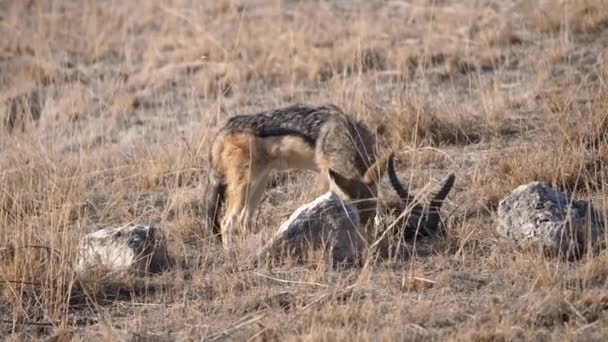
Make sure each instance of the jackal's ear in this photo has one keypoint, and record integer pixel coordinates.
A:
(374, 173)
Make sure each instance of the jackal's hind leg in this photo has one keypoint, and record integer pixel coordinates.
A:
(242, 158)
(254, 197)
(243, 198)
(236, 193)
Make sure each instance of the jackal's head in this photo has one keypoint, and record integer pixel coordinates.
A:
(408, 217)
(363, 192)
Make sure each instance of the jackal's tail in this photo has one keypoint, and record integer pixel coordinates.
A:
(216, 190)
(432, 222)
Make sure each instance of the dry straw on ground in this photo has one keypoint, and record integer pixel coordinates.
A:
(106, 111)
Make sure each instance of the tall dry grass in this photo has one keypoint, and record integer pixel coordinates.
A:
(107, 110)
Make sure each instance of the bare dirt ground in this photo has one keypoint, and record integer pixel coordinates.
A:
(108, 107)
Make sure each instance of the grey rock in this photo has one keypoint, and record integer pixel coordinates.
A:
(537, 215)
(326, 223)
(136, 248)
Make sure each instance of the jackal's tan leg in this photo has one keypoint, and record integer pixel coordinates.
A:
(322, 185)
(235, 200)
(242, 160)
(323, 164)
(254, 197)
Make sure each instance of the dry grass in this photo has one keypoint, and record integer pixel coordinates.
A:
(106, 111)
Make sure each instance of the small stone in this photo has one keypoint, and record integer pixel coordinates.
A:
(537, 215)
(328, 223)
(137, 248)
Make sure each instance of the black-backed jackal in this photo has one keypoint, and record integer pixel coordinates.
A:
(248, 147)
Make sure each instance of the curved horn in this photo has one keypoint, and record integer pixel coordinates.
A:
(438, 199)
(401, 191)
(432, 221)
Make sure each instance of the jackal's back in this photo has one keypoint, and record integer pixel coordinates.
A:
(299, 120)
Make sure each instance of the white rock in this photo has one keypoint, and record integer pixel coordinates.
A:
(328, 223)
(537, 215)
(137, 248)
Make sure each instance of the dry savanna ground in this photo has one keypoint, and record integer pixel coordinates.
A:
(108, 107)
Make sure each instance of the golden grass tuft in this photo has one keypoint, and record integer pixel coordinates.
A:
(107, 110)
(587, 16)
